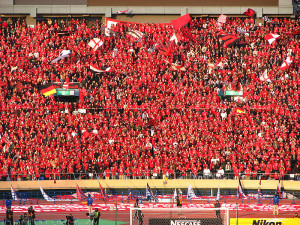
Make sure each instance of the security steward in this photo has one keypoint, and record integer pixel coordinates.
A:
(96, 217)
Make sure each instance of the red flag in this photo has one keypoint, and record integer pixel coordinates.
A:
(181, 21)
(249, 12)
(228, 39)
(101, 190)
(165, 49)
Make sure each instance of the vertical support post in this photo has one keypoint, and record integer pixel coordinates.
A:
(71, 198)
(207, 197)
(228, 220)
(116, 222)
(225, 197)
(37, 198)
(122, 196)
(237, 214)
(54, 198)
(259, 202)
(293, 199)
(130, 212)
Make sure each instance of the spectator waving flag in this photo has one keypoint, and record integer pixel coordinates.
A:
(129, 193)
(190, 192)
(272, 37)
(176, 38)
(48, 89)
(264, 76)
(286, 63)
(181, 21)
(241, 193)
(63, 54)
(239, 111)
(149, 193)
(222, 19)
(95, 43)
(249, 12)
(98, 70)
(165, 49)
(228, 39)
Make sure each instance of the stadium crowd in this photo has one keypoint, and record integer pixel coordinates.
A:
(148, 118)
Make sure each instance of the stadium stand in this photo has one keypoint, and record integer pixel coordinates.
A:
(160, 111)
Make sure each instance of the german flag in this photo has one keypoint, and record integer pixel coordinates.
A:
(48, 90)
(239, 111)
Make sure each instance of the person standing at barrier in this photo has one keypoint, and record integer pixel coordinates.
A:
(275, 204)
(89, 203)
(31, 215)
(218, 206)
(9, 219)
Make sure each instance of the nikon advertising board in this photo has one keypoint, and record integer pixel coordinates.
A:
(266, 221)
(185, 221)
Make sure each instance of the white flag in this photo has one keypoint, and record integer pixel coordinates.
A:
(63, 54)
(218, 194)
(190, 193)
(175, 194)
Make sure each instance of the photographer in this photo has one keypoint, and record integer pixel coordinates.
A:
(31, 215)
(96, 217)
(9, 217)
(70, 220)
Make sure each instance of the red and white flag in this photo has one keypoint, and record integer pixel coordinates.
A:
(98, 70)
(110, 23)
(264, 76)
(222, 19)
(101, 190)
(176, 38)
(95, 43)
(286, 63)
(136, 34)
(123, 12)
(279, 189)
(272, 37)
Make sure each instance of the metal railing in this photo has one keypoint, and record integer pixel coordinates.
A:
(151, 175)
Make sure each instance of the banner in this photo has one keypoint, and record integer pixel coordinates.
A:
(265, 221)
(185, 221)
